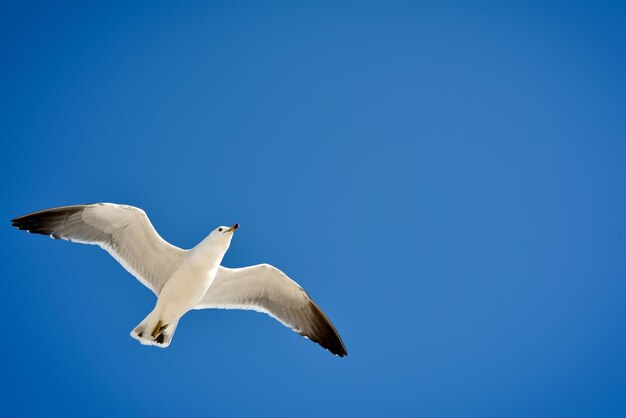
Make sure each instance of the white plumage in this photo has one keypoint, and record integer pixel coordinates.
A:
(184, 279)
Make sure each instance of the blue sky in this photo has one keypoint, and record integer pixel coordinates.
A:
(445, 180)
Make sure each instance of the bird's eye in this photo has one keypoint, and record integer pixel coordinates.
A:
(220, 229)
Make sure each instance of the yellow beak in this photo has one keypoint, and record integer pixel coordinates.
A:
(232, 228)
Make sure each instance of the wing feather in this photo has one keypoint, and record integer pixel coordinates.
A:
(264, 288)
(123, 231)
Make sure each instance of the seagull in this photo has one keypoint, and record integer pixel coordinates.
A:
(181, 279)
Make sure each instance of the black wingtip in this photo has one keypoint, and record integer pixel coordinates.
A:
(343, 353)
(326, 335)
(45, 222)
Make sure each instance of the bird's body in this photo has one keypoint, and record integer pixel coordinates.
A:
(184, 279)
(182, 291)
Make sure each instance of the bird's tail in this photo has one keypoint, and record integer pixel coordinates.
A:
(159, 334)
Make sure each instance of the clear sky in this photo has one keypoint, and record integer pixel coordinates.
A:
(447, 181)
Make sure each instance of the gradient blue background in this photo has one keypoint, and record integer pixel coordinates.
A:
(447, 182)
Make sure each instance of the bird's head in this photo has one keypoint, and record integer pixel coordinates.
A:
(222, 235)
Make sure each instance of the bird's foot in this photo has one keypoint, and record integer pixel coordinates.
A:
(158, 330)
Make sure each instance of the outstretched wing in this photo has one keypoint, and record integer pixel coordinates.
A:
(264, 288)
(124, 231)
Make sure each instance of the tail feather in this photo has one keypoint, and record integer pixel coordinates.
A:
(160, 336)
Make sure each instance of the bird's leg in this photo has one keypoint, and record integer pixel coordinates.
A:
(158, 330)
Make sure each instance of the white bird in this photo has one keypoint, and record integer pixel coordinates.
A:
(184, 279)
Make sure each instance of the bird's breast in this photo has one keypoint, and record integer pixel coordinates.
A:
(185, 288)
